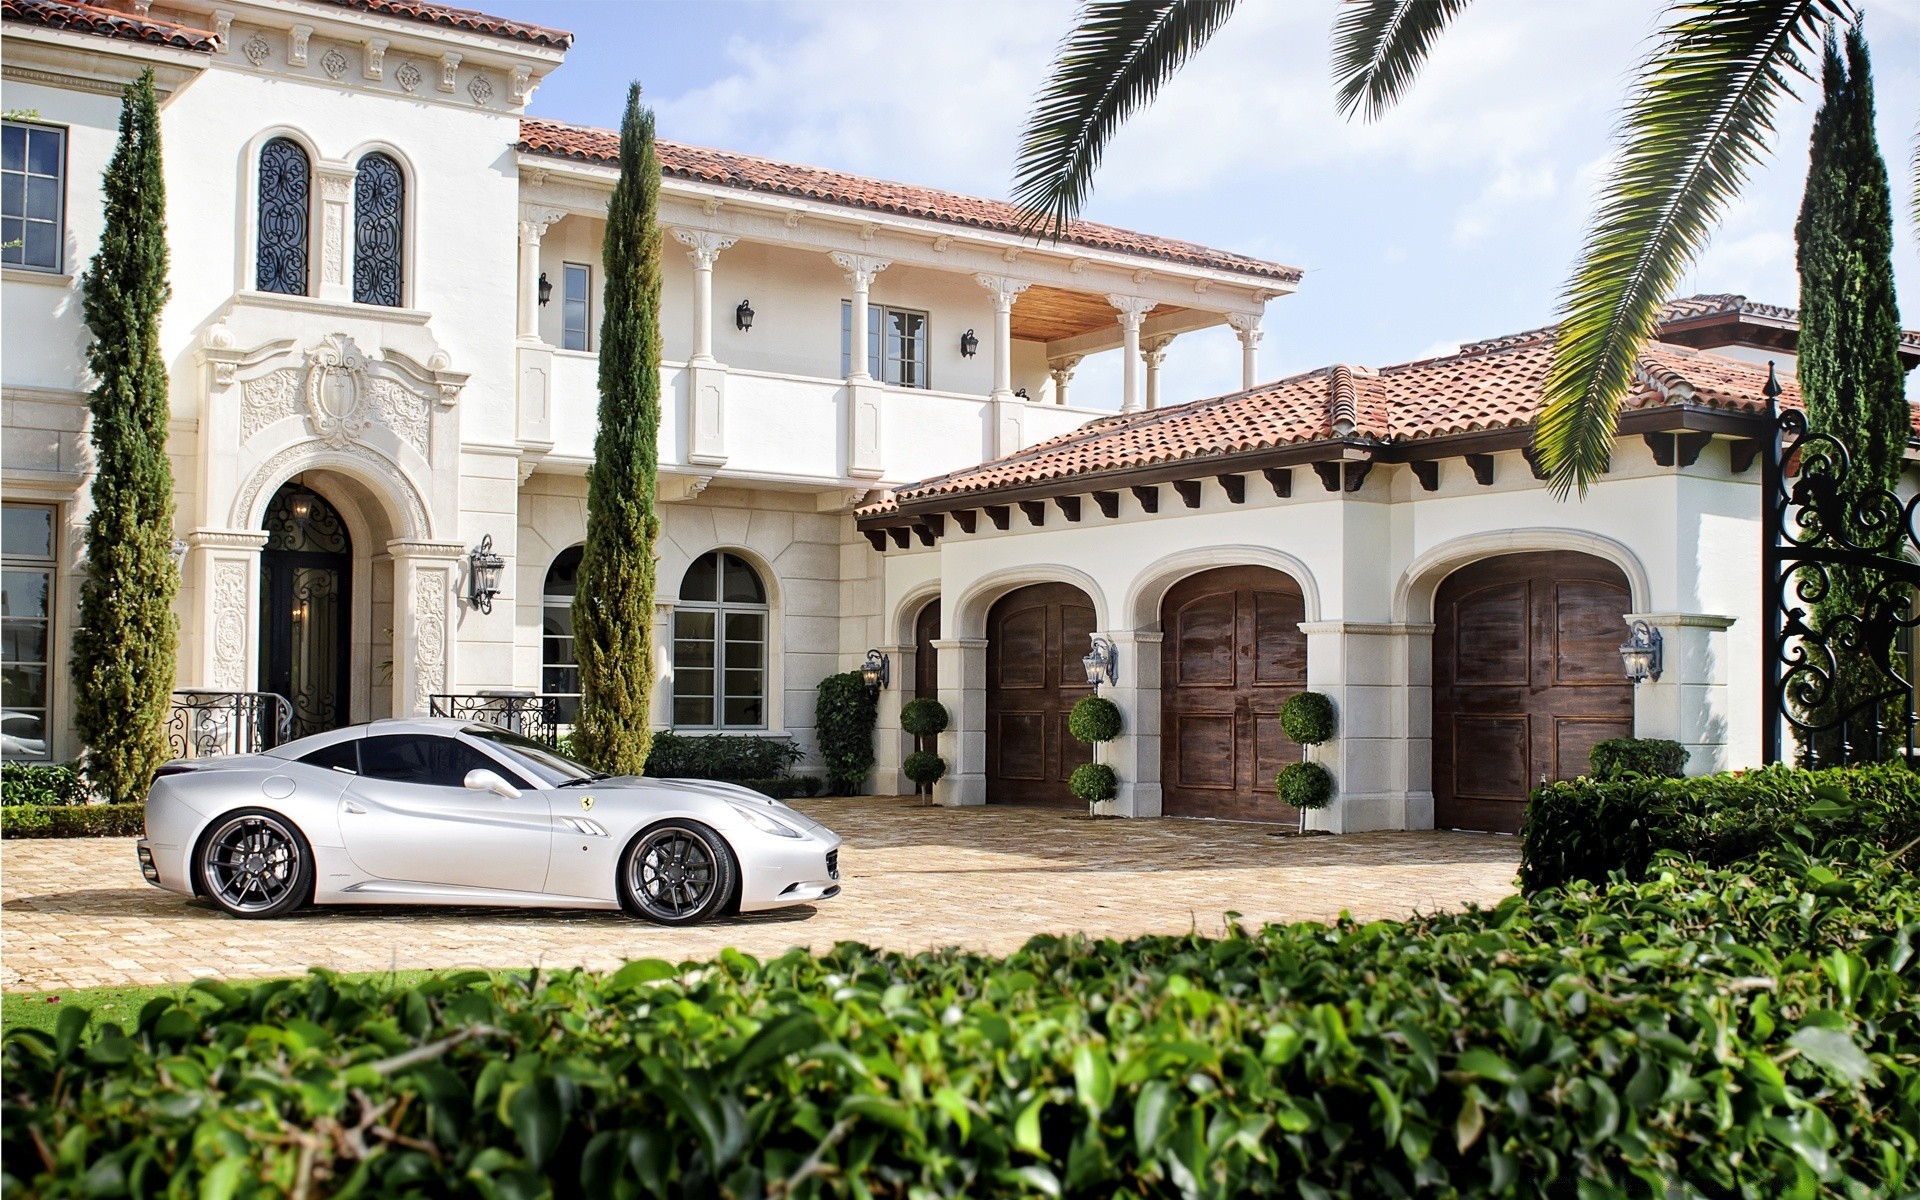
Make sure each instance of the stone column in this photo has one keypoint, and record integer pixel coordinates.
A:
(1247, 328)
(1135, 754)
(706, 378)
(1368, 671)
(1003, 291)
(534, 223)
(890, 744)
(336, 229)
(864, 394)
(1688, 703)
(1062, 371)
(1133, 312)
(426, 599)
(223, 566)
(963, 689)
(662, 715)
(1154, 355)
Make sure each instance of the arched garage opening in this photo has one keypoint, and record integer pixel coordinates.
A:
(1526, 679)
(1231, 654)
(1036, 637)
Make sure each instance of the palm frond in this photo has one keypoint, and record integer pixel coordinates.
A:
(1697, 122)
(1379, 47)
(1113, 62)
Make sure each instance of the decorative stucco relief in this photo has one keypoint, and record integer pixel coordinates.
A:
(271, 397)
(230, 625)
(430, 635)
(309, 454)
(402, 410)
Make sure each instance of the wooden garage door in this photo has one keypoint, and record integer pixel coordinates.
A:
(1231, 654)
(1526, 678)
(1035, 639)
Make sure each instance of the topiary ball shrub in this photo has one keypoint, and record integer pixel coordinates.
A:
(1304, 785)
(923, 717)
(1308, 718)
(924, 767)
(1093, 782)
(1656, 758)
(1094, 720)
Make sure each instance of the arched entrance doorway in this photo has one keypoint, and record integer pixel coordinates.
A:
(1231, 654)
(1036, 637)
(305, 611)
(1526, 678)
(926, 662)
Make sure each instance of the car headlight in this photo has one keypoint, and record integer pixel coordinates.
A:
(758, 817)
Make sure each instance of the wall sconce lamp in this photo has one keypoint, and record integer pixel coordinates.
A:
(178, 553)
(546, 289)
(743, 317)
(876, 671)
(484, 578)
(969, 344)
(1641, 653)
(1102, 663)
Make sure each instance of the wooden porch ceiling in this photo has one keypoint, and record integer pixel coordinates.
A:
(1049, 314)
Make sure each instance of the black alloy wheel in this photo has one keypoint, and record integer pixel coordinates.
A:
(677, 873)
(254, 864)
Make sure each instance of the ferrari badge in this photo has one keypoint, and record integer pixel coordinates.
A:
(586, 804)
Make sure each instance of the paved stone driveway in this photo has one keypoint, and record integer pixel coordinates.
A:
(76, 913)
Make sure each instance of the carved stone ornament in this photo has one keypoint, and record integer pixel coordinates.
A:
(297, 47)
(376, 61)
(480, 88)
(272, 397)
(860, 268)
(230, 610)
(449, 71)
(258, 50)
(520, 85)
(430, 634)
(334, 63)
(408, 77)
(703, 246)
(222, 26)
(335, 391)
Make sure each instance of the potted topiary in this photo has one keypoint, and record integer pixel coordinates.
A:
(1304, 785)
(1093, 782)
(925, 768)
(925, 718)
(1094, 720)
(1308, 719)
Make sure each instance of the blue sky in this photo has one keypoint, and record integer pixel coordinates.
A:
(1456, 217)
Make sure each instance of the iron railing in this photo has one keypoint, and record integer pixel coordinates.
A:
(529, 714)
(205, 723)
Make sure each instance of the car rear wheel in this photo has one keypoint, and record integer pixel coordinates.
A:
(254, 864)
(677, 873)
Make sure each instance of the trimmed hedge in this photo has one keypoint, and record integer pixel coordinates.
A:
(1616, 758)
(1093, 782)
(44, 784)
(1743, 1033)
(783, 787)
(721, 756)
(924, 767)
(924, 717)
(1094, 719)
(87, 820)
(844, 715)
(1307, 718)
(1587, 829)
(1304, 785)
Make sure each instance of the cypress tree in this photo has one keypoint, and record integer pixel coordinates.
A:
(1849, 366)
(123, 650)
(613, 605)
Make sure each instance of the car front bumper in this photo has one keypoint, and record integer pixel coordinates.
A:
(801, 871)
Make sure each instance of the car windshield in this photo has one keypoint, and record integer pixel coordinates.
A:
(546, 765)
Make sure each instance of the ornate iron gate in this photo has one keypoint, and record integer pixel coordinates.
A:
(1837, 690)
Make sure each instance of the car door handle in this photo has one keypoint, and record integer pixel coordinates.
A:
(350, 806)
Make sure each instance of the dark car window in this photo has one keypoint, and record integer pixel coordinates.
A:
(419, 758)
(341, 756)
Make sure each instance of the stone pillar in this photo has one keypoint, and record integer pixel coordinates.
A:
(706, 378)
(1368, 670)
(427, 578)
(1247, 328)
(963, 689)
(1135, 754)
(336, 229)
(662, 715)
(1688, 703)
(534, 223)
(1003, 291)
(864, 395)
(703, 248)
(1154, 356)
(223, 569)
(1133, 312)
(890, 744)
(1062, 371)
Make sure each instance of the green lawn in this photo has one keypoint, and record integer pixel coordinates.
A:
(39, 1010)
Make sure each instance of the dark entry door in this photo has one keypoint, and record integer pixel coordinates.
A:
(926, 663)
(305, 610)
(1231, 654)
(1036, 637)
(1526, 678)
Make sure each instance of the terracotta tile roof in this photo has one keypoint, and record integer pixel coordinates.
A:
(106, 22)
(1689, 310)
(460, 18)
(1491, 388)
(750, 173)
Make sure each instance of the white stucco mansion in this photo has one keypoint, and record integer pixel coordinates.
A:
(382, 341)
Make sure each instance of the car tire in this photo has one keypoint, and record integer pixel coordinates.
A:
(254, 864)
(677, 873)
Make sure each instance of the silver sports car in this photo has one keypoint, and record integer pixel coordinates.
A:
(453, 812)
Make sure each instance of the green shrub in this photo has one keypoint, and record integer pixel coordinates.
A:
(924, 767)
(1093, 782)
(730, 757)
(1304, 785)
(1587, 828)
(1094, 719)
(1735, 1034)
(1307, 718)
(783, 787)
(86, 820)
(924, 717)
(41, 783)
(844, 715)
(1615, 758)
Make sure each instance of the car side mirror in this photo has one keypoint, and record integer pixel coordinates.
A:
(482, 780)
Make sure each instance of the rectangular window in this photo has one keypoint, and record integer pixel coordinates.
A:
(559, 669)
(574, 308)
(896, 344)
(26, 629)
(33, 193)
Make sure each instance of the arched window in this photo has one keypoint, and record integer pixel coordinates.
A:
(559, 669)
(720, 646)
(286, 193)
(379, 230)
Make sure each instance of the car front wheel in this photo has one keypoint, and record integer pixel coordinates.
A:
(255, 864)
(677, 873)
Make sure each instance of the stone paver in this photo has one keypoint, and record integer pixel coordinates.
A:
(76, 913)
